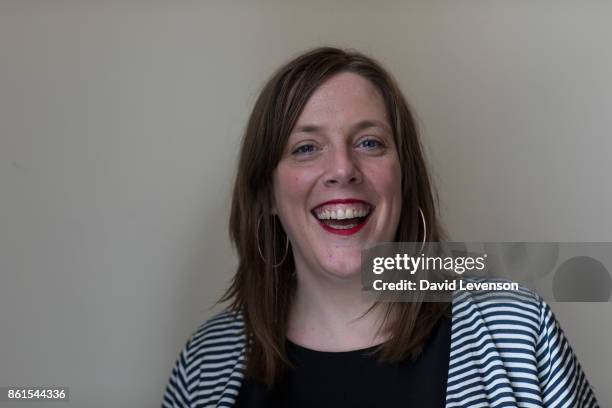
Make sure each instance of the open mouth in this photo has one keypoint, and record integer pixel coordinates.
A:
(345, 217)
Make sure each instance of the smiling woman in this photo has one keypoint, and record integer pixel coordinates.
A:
(331, 163)
(337, 187)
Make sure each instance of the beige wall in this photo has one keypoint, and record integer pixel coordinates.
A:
(119, 128)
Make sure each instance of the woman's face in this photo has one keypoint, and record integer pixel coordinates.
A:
(337, 187)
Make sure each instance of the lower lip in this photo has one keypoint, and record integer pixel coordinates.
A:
(348, 231)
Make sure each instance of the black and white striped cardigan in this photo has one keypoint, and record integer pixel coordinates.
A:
(504, 353)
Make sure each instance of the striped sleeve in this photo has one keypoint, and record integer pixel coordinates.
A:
(209, 369)
(562, 380)
(177, 392)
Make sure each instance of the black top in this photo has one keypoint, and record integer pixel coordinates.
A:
(356, 379)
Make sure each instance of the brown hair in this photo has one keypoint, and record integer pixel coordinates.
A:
(261, 291)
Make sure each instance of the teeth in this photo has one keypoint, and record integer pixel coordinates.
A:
(342, 213)
(342, 227)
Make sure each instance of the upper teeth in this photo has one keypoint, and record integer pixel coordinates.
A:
(342, 212)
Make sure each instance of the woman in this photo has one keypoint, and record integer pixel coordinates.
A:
(331, 163)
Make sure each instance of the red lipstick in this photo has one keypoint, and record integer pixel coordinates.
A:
(348, 231)
(344, 231)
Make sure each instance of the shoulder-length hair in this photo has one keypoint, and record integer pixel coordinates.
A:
(263, 285)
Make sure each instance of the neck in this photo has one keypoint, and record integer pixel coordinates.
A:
(328, 314)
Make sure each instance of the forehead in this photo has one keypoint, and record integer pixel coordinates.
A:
(344, 97)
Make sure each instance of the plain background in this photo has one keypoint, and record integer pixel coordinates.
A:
(120, 124)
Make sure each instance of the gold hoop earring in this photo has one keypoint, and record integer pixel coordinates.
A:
(273, 239)
(424, 230)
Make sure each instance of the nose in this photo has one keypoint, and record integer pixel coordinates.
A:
(343, 168)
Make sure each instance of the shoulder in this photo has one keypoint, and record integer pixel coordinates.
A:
(506, 314)
(219, 335)
(209, 368)
(488, 291)
(514, 335)
(224, 324)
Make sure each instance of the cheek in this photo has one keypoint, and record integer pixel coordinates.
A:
(291, 187)
(287, 189)
(387, 180)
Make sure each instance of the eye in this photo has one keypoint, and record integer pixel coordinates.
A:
(304, 149)
(371, 144)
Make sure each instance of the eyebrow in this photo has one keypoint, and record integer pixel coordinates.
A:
(362, 125)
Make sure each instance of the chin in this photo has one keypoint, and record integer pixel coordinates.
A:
(344, 265)
(327, 260)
